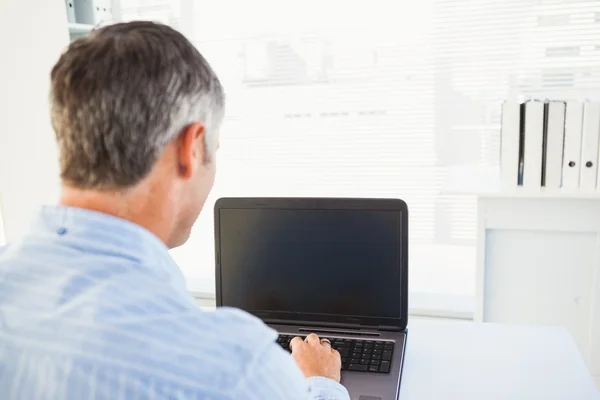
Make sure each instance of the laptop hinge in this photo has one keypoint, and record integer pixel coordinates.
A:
(334, 325)
(311, 323)
(388, 328)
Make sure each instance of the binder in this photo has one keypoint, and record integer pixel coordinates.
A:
(509, 147)
(554, 136)
(572, 153)
(589, 146)
(533, 144)
(93, 12)
(70, 11)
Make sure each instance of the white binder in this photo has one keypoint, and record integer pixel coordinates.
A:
(554, 139)
(572, 154)
(589, 146)
(93, 12)
(70, 11)
(534, 138)
(509, 150)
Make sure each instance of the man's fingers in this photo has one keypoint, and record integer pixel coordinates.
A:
(337, 354)
(313, 339)
(294, 342)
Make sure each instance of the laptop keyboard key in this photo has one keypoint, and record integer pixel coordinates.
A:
(388, 346)
(354, 361)
(377, 351)
(344, 352)
(373, 368)
(385, 367)
(387, 355)
(365, 361)
(357, 367)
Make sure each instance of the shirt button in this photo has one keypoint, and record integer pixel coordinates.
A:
(61, 231)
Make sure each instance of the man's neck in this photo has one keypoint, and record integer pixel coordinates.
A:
(134, 205)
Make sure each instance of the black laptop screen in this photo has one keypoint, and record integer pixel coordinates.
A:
(328, 262)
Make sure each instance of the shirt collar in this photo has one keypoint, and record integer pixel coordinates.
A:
(105, 234)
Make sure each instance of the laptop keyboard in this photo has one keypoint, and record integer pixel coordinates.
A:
(357, 355)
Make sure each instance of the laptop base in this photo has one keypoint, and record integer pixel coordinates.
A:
(364, 385)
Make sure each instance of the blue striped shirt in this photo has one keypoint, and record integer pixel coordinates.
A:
(93, 307)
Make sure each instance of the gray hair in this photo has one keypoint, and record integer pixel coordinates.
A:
(121, 94)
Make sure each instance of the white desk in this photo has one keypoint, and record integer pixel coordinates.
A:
(462, 360)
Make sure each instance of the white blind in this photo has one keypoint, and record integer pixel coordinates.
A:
(386, 98)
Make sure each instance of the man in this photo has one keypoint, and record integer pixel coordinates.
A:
(91, 304)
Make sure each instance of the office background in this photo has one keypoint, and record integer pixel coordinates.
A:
(379, 99)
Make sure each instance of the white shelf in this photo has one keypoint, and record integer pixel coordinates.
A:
(542, 194)
(80, 29)
(526, 194)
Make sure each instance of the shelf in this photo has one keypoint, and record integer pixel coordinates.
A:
(80, 29)
(526, 194)
(542, 194)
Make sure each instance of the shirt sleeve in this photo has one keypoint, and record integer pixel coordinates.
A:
(275, 375)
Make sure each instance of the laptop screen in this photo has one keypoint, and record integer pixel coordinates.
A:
(315, 262)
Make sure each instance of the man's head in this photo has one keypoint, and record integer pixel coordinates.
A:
(136, 111)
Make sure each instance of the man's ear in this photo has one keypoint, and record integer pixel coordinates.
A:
(191, 152)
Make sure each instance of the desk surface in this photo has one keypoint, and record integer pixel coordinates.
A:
(463, 360)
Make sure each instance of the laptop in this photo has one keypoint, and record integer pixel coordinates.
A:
(335, 267)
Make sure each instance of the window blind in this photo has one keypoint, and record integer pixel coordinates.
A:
(383, 98)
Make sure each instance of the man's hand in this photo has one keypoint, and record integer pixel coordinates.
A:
(316, 358)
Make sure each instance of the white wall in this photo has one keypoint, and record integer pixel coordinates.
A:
(31, 43)
(540, 264)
